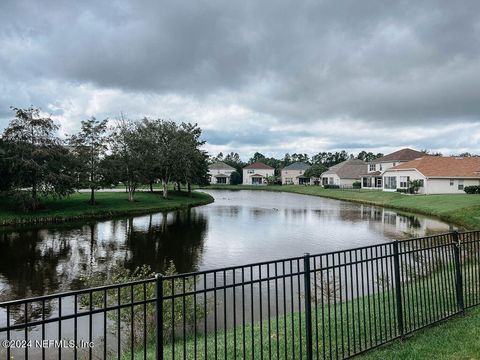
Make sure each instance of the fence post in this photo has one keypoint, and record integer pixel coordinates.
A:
(458, 272)
(398, 289)
(159, 314)
(308, 305)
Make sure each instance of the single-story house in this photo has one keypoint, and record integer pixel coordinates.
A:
(437, 174)
(344, 173)
(219, 173)
(372, 178)
(294, 174)
(257, 174)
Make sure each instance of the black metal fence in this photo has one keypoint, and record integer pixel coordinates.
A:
(324, 306)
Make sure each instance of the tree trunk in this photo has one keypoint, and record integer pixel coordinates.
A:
(189, 186)
(165, 189)
(131, 194)
(92, 196)
(151, 186)
(179, 187)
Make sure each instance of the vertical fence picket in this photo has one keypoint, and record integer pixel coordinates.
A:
(398, 289)
(458, 272)
(159, 315)
(308, 306)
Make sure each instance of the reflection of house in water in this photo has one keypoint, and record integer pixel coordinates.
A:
(409, 224)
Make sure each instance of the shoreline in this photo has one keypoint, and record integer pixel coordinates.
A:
(441, 207)
(142, 206)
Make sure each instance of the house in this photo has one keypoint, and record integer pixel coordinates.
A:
(437, 174)
(345, 173)
(294, 174)
(257, 174)
(219, 173)
(372, 179)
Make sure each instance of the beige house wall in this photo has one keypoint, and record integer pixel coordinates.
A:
(291, 176)
(212, 173)
(247, 175)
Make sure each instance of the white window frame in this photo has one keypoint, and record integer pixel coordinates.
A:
(461, 185)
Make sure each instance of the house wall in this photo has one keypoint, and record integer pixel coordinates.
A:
(247, 175)
(213, 172)
(332, 179)
(442, 186)
(413, 174)
(384, 166)
(290, 176)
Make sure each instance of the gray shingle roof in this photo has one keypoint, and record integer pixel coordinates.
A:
(350, 169)
(400, 155)
(220, 166)
(297, 166)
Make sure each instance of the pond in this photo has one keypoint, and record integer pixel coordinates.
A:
(239, 227)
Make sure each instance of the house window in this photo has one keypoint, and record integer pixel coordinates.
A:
(372, 167)
(460, 184)
(221, 180)
(250, 171)
(421, 183)
(381, 167)
(390, 182)
(404, 180)
(452, 182)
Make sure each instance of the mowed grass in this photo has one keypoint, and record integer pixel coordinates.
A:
(109, 204)
(345, 329)
(460, 209)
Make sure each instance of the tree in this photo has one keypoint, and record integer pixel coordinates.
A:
(6, 178)
(315, 171)
(37, 158)
(368, 156)
(89, 146)
(126, 159)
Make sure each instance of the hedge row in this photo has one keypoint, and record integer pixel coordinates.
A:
(473, 189)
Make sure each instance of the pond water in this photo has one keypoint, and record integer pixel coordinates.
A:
(239, 227)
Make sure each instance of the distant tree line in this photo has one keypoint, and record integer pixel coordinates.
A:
(35, 162)
(319, 162)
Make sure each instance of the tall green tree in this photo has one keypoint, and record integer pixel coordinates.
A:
(126, 160)
(90, 146)
(5, 172)
(39, 161)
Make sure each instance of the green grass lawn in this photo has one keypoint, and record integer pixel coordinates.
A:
(374, 324)
(461, 209)
(457, 338)
(109, 204)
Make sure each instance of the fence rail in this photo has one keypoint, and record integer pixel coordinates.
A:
(320, 306)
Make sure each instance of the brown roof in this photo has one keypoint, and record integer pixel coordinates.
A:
(350, 169)
(439, 166)
(258, 165)
(400, 155)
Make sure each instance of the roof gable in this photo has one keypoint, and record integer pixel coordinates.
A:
(297, 166)
(350, 169)
(220, 166)
(439, 166)
(258, 166)
(400, 155)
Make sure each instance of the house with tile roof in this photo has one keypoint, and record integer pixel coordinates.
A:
(219, 173)
(372, 177)
(344, 173)
(257, 174)
(295, 174)
(437, 174)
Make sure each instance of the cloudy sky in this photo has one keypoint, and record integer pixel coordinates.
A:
(272, 76)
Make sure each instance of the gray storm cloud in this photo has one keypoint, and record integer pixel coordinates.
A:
(376, 64)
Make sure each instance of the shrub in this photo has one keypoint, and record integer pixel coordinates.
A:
(117, 274)
(473, 189)
(403, 191)
(357, 185)
(331, 186)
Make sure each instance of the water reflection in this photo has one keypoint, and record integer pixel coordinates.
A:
(240, 227)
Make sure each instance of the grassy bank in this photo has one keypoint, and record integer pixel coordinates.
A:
(444, 341)
(461, 209)
(110, 204)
